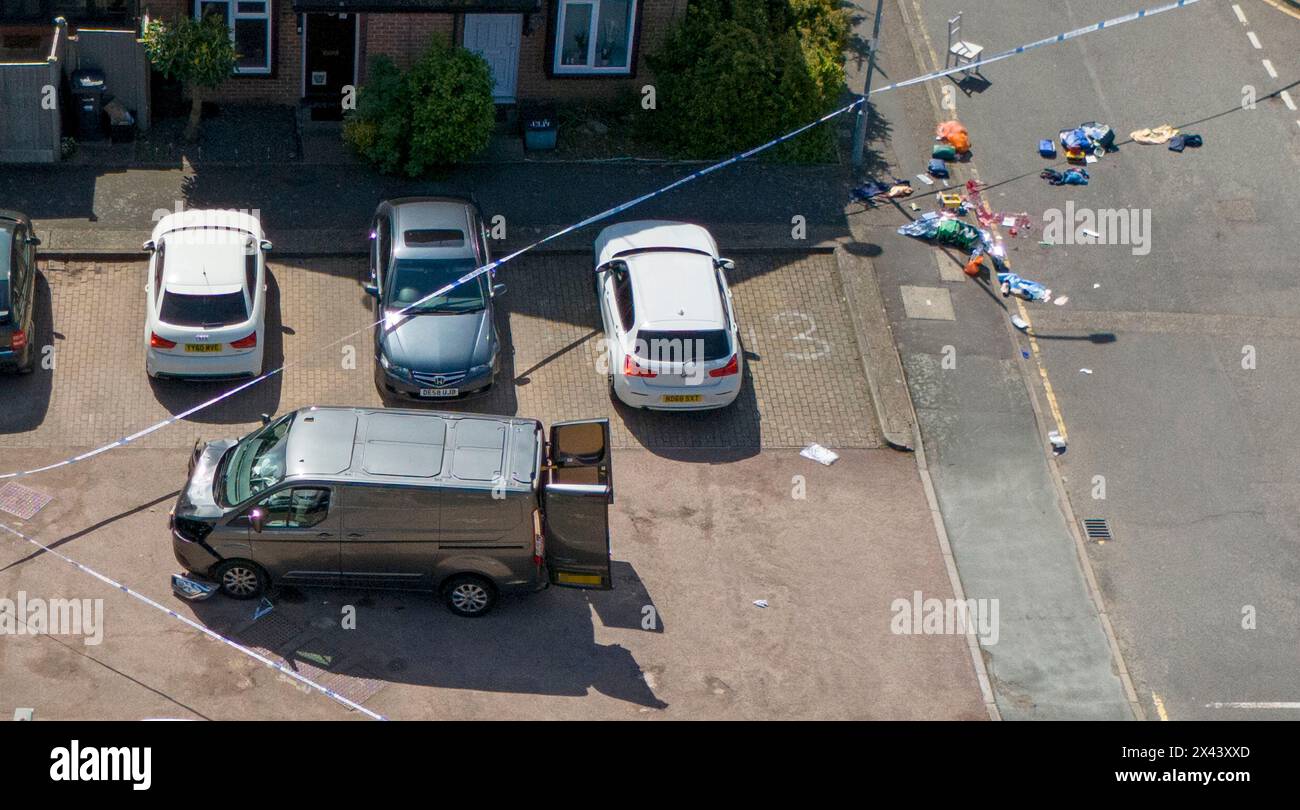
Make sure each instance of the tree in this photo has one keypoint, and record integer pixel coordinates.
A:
(736, 73)
(198, 53)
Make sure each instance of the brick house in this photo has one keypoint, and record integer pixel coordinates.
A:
(307, 50)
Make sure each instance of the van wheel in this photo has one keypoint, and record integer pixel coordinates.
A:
(468, 595)
(241, 579)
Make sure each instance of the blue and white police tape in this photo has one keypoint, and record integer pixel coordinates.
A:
(606, 214)
(281, 668)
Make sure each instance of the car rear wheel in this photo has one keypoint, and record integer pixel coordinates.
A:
(470, 596)
(241, 579)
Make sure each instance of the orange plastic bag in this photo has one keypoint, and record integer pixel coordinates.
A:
(955, 134)
(974, 266)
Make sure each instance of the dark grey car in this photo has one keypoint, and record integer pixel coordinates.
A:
(445, 348)
(17, 292)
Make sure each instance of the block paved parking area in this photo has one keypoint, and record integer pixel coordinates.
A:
(804, 380)
(713, 512)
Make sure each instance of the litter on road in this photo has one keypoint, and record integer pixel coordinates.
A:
(760, 603)
(1154, 135)
(1023, 287)
(820, 454)
(1020, 323)
(1070, 177)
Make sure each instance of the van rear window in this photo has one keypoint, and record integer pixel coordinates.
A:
(435, 237)
(679, 347)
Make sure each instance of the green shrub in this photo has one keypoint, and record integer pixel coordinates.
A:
(439, 113)
(736, 73)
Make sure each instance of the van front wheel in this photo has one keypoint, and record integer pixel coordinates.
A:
(469, 596)
(241, 579)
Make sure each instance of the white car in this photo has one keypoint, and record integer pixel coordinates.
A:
(670, 329)
(206, 296)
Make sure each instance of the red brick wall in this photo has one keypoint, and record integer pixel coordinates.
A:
(404, 37)
(655, 19)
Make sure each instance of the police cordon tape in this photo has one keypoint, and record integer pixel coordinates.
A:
(329, 693)
(618, 209)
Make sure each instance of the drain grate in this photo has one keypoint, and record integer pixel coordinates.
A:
(23, 502)
(1097, 529)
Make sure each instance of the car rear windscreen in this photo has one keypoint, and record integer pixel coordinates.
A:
(679, 347)
(203, 311)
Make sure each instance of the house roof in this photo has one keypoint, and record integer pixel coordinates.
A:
(418, 6)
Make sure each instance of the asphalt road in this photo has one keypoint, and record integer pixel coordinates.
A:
(1195, 446)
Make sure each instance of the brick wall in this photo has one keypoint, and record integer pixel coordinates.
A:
(655, 17)
(404, 37)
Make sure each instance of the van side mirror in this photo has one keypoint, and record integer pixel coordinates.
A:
(498, 289)
(266, 245)
(149, 247)
(725, 264)
(266, 419)
(371, 289)
(615, 266)
(256, 517)
(33, 240)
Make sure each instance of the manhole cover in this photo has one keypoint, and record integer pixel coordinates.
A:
(21, 501)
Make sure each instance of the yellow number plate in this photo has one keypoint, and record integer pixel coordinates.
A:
(681, 398)
(203, 347)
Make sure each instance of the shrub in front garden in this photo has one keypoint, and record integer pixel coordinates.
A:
(736, 73)
(438, 113)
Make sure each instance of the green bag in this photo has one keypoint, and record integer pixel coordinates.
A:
(958, 233)
(943, 151)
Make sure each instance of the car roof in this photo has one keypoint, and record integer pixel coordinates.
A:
(413, 448)
(675, 290)
(433, 213)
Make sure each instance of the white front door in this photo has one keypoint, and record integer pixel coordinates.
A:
(495, 37)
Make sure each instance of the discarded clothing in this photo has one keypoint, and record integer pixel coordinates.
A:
(1070, 177)
(953, 133)
(946, 231)
(868, 191)
(1178, 142)
(1099, 135)
(938, 168)
(1026, 289)
(1046, 148)
(1074, 139)
(1161, 134)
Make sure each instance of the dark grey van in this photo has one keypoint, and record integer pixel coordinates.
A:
(17, 292)
(465, 505)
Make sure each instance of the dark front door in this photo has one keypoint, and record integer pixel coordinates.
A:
(331, 56)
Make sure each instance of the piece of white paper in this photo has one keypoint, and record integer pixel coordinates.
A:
(1008, 222)
(925, 178)
(819, 454)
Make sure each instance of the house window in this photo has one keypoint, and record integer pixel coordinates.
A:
(249, 22)
(594, 36)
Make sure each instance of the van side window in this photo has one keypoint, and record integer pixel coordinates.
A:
(297, 508)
